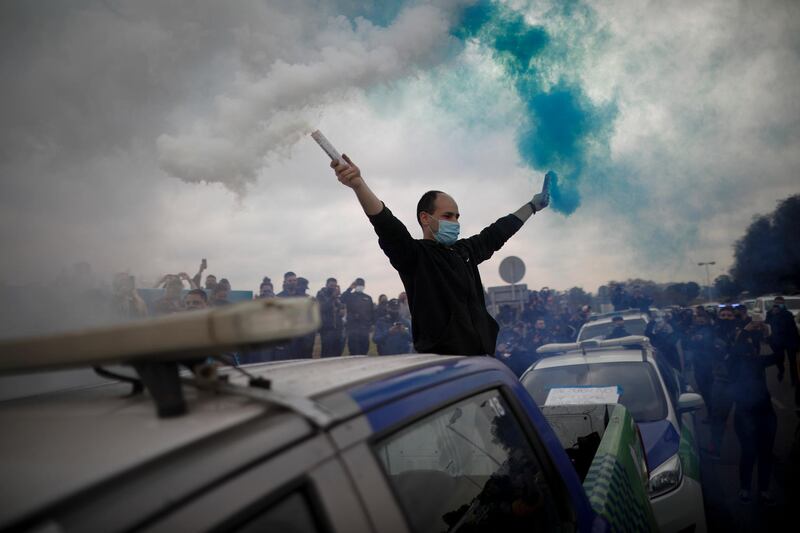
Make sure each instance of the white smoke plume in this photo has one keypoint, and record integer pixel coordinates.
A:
(268, 108)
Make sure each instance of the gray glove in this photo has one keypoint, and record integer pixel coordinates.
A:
(542, 199)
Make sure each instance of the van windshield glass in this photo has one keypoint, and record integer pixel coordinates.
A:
(641, 390)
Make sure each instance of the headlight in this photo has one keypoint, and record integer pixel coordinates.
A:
(666, 477)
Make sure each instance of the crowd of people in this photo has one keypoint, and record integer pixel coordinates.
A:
(722, 350)
(350, 320)
(726, 350)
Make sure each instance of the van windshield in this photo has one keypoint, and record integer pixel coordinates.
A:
(641, 390)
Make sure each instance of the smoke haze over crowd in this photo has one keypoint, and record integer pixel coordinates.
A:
(146, 135)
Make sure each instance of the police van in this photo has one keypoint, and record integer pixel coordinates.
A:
(399, 443)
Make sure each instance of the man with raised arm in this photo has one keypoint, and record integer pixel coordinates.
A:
(440, 271)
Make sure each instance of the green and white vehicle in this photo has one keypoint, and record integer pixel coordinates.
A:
(660, 402)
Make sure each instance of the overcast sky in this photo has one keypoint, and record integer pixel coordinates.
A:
(146, 135)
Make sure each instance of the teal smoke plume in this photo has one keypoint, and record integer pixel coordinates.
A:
(562, 129)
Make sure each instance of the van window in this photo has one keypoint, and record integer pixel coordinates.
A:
(291, 514)
(469, 467)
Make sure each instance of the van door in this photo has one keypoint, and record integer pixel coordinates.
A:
(305, 489)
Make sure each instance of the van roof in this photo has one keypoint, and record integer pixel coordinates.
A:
(63, 442)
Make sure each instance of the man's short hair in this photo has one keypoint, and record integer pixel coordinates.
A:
(329, 280)
(289, 274)
(427, 204)
(199, 292)
(360, 281)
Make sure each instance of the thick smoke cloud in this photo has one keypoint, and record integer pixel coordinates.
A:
(268, 108)
(670, 126)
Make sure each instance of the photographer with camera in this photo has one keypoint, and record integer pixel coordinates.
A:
(754, 419)
(171, 301)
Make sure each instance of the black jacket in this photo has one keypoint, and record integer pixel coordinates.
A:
(330, 310)
(445, 294)
(360, 311)
(784, 330)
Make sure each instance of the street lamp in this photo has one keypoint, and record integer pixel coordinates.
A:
(708, 277)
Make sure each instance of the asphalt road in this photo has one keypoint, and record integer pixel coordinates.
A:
(720, 478)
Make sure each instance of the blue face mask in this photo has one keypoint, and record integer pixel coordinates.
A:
(448, 232)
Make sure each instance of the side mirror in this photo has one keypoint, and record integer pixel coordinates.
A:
(690, 401)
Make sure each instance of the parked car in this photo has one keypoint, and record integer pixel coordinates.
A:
(750, 304)
(763, 304)
(396, 443)
(660, 402)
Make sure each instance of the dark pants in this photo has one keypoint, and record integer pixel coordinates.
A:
(704, 380)
(790, 352)
(358, 342)
(721, 402)
(331, 340)
(755, 427)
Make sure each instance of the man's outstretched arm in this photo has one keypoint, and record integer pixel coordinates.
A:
(493, 237)
(393, 237)
(350, 175)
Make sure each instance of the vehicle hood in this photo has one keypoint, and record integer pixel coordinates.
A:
(660, 441)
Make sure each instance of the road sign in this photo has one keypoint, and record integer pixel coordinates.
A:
(512, 269)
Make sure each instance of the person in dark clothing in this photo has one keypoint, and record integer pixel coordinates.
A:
(440, 272)
(539, 336)
(360, 317)
(532, 310)
(741, 316)
(700, 344)
(513, 350)
(392, 333)
(285, 351)
(754, 419)
(639, 301)
(784, 340)
(576, 322)
(331, 311)
(302, 347)
(665, 341)
(619, 330)
(289, 285)
(619, 299)
(725, 371)
(506, 317)
(380, 307)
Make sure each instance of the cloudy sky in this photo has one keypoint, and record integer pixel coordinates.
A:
(145, 135)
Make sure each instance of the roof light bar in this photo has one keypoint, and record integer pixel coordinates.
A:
(179, 336)
(590, 345)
